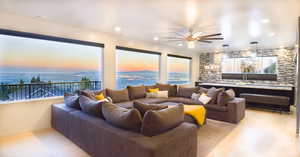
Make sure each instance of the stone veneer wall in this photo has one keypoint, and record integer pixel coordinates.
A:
(286, 66)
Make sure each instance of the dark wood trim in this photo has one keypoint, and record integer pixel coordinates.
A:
(266, 77)
(46, 37)
(137, 50)
(177, 56)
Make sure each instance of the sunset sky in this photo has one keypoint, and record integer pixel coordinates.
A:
(34, 53)
(134, 61)
(178, 65)
(19, 52)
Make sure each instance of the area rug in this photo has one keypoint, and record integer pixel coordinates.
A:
(211, 134)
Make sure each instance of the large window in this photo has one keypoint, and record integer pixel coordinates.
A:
(136, 67)
(254, 65)
(179, 69)
(35, 66)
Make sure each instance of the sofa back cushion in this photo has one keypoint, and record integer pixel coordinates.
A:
(172, 89)
(136, 92)
(118, 96)
(128, 119)
(156, 122)
(213, 93)
(87, 93)
(225, 96)
(72, 100)
(144, 107)
(90, 106)
(187, 92)
(150, 87)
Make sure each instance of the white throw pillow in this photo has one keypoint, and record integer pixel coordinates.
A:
(162, 94)
(195, 96)
(204, 99)
(159, 94)
(151, 95)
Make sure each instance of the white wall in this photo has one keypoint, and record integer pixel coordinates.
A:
(32, 115)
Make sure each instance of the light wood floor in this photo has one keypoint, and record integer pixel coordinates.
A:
(260, 134)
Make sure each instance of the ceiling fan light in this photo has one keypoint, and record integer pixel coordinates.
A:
(191, 44)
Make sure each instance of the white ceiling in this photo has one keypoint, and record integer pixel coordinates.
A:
(240, 21)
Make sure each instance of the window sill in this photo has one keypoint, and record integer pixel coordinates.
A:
(32, 100)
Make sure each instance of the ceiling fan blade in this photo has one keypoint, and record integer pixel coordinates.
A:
(205, 41)
(211, 35)
(212, 38)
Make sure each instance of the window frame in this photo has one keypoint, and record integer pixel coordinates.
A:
(181, 57)
(55, 39)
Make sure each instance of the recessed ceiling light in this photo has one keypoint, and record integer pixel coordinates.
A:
(155, 38)
(117, 29)
(265, 21)
(296, 46)
(180, 44)
(271, 34)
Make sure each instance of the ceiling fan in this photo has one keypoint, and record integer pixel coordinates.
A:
(191, 37)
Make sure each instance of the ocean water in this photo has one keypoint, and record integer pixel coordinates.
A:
(123, 78)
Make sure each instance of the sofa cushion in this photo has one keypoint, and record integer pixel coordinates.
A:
(182, 100)
(187, 91)
(172, 89)
(136, 92)
(150, 87)
(225, 96)
(129, 119)
(213, 93)
(160, 121)
(88, 93)
(144, 107)
(91, 106)
(126, 104)
(118, 95)
(216, 107)
(72, 100)
(152, 100)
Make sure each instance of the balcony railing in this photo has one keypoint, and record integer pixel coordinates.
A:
(12, 92)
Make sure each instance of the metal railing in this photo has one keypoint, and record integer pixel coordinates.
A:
(12, 92)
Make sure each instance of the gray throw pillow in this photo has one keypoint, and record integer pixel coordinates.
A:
(72, 100)
(128, 119)
(213, 93)
(136, 92)
(118, 96)
(160, 121)
(187, 92)
(87, 93)
(144, 107)
(90, 106)
(225, 96)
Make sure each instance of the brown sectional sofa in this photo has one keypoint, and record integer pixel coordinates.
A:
(99, 138)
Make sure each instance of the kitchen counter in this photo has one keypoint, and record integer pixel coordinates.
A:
(286, 90)
(251, 85)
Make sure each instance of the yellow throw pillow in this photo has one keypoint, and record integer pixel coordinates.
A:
(100, 96)
(153, 90)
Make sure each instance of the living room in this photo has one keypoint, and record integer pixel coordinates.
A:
(228, 69)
